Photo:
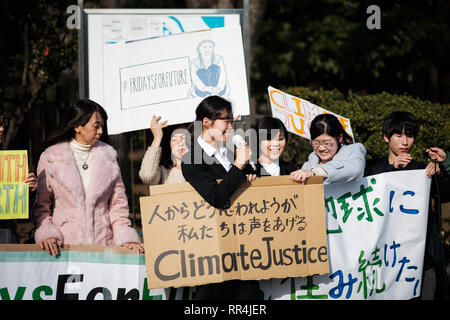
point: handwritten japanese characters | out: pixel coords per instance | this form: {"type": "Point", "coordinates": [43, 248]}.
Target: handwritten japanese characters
{"type": "Point", "coordinates": [376, 231]}
{"type": "Point", "coordinates": [267, 230]}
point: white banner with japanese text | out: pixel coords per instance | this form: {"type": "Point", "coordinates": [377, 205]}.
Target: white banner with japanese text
{"type": "Point", "coordinates": [376, 238]}
{"type": "Point", "coordinates": [376, 230]}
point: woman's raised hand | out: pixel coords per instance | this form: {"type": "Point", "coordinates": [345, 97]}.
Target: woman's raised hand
{"type": "Point", "coordinates": [156, 128]}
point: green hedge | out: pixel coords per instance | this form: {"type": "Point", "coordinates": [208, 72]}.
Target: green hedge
{"type": "Point", "coordinates": [366, 114]}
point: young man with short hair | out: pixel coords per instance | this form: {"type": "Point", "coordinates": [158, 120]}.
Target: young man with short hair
{"type": "Point", "coordinates": [400, 130]}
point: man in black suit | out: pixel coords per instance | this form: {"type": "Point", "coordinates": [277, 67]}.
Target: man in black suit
{"type": "Point", "coordinates": [207, 161]}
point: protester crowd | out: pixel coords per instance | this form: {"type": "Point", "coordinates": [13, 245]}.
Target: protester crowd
{"type": "Point", "coordinates": [80, 196]}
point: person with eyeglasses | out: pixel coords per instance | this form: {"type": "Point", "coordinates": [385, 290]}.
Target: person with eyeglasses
{"type": "Point", "coordinates": [8, 234]}
{"type": "Point", "coordinates": [209, 160]}
{"type": "Point", "coordinates": [335, 156]}
{"type": "Point", "coordinates": [162, 160]}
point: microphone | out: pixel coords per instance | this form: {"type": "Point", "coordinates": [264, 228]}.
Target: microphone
{"type": "Point", "coordinates": [237, 141]}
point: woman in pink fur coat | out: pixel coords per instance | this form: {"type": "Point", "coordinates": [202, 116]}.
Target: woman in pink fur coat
{"type": "Point", "coordinates": [80, 196]}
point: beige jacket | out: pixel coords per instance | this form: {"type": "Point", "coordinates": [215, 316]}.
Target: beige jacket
{"type": "Point", "coordinates": [152, 173]}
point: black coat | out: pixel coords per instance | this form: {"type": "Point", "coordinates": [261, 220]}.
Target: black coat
{"type": "Point", "coordinates": [439, 189]}
{"type": "Point", "coordinates": [203, 176]}
{"type": "Point", "coordinates": [202, 173]}
{"type": "Point", "coordinates": [285, 169]}
{"type": "Point", "coordinates": [384, 166]}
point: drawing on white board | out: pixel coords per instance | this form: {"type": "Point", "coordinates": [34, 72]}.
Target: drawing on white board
{"type": "Point", "coordinates": [208, 72]}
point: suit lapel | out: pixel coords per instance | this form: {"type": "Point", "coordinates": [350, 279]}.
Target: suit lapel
{"type": "Point", "coordinates": [260, 171]}
{"type": "Point", "coordinates": [216, 166]}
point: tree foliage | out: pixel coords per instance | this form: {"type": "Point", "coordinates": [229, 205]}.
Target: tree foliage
{"type": "Point", "coordinates": [327, 44]}
{"type": "Point", "coordinates": [37, 48]}
{"type": "Point", "coordinates": [366, 113]}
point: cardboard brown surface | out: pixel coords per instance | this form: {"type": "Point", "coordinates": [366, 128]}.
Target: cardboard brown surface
{"type": "Point", "coordinates": [273, 229]}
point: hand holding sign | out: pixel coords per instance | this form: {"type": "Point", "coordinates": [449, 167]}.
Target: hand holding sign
{"type": "Point", "coordinates": [270, 230]}
{"type": "Point", "coordinates": [300, 176]}
{"type": "Point", "coordinates": [32, 181]}
{"type": "Point", "coordinates": [52, 246]}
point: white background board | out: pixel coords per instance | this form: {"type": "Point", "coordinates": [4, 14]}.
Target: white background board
{"type": "Point", "coordinates": [107, 27]}
{"type": "Point", "coordinates": [168, 76]}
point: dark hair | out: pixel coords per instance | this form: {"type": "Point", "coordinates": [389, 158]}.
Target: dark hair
{"type": "Point", "coordinates": [269, 124]}
{"type": "Point", "coordinates": [329, 124]}
{"type": "Point", "coordinates": [77, 115]}
{"type": "Point", "coordinates": [166, 152]}
{"type": "Point", "coordinates": [213, 108]}
{"type": "Point", "coordinates": [400, 121]}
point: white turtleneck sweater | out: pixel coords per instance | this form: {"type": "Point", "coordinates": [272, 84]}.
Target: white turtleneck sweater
{"type": "Point", "coordinates": [82, 154]}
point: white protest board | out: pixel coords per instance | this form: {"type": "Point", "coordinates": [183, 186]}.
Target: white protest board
{"type": "Point", "coordinates": [170, 76]}
{"type": "Point", "coordinates": [111, 26]}
{"type": "Point", "coordinates": [297, 113]}
{"type": "Point", "coordinates": [376, 236]}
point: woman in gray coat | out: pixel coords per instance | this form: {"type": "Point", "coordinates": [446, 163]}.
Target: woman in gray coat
{"type": "Point", "coordinates": [335, 156]}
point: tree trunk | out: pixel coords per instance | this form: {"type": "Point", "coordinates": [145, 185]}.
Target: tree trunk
{"type": "Point", "coordinates": [30, 89]}
{"type": "Point", "coordinates": [434, 83]}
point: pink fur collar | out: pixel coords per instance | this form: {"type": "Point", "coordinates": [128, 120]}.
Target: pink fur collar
{"type": "Point", "coordinates": [103, 173]}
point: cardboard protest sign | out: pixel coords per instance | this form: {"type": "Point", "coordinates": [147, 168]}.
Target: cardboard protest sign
{"type": "Point", "coordinates": [169, 76]}
{"type": "Point", "coordinates": [274, 228]}
{"type": "Point", "coordinates": [13, 192]}
{"type": "Point", "coordinates": [297, 113]}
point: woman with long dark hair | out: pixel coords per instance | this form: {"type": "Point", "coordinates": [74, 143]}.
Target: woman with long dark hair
{"type": "Point", "coordinates": [335, 156]}
{"type": "Point", "coordinates": [80, 195]}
